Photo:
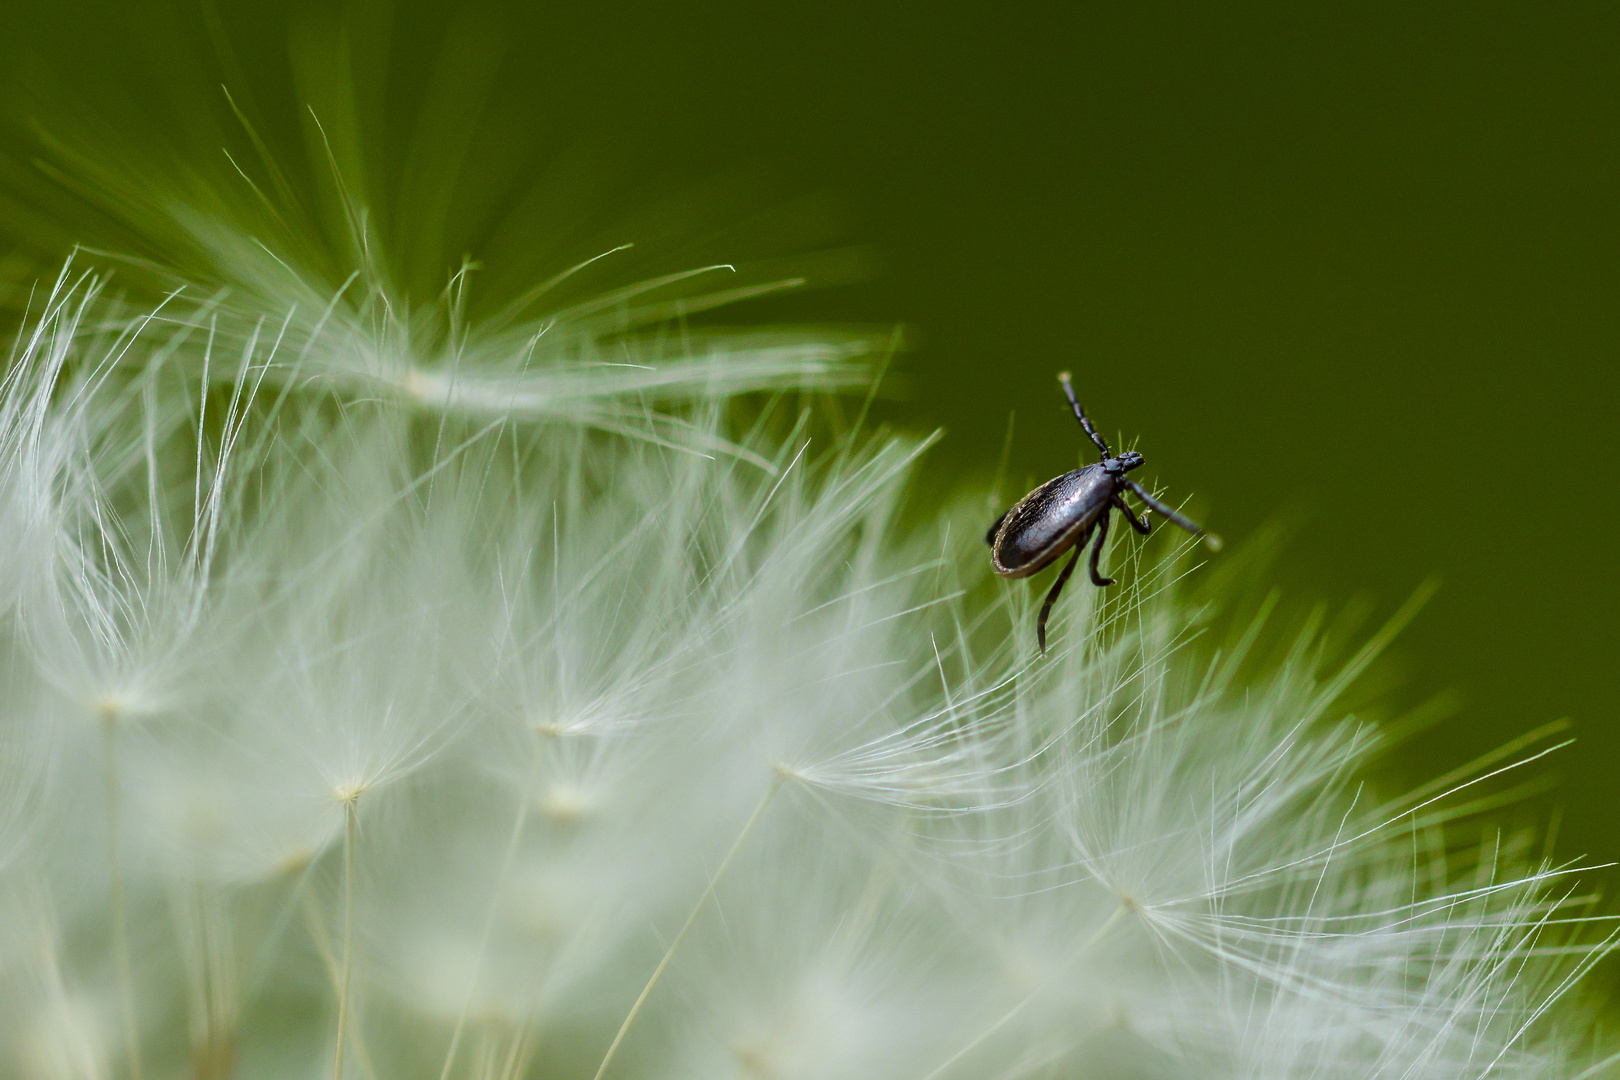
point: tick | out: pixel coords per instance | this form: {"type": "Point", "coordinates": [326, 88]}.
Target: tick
{"type": "Point", "coordinates": [1067, 511]}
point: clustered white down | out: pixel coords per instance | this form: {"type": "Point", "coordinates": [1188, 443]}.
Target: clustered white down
{"type": "Point", "coordinates": [402, 716]}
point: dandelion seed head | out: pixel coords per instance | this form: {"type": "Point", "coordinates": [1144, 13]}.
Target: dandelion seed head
{"type": "Point", "coordinates": [513, 685]}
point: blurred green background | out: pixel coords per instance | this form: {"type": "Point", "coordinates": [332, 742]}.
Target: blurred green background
{"type": "Point", "coordinates": [1354, 267]}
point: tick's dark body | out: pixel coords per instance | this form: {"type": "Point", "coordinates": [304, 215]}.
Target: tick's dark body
{"type": "Point", "coordinates": [1056, 516]}
{"type": "Point", "coordinates": [1064, 513]}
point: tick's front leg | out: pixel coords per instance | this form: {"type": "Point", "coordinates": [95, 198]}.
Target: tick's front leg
{"type": "Point", "coordinates": [1142, 526]}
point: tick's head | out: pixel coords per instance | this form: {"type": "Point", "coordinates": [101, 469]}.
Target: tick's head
{"type": "Point", "coordinates": [1123, 463]}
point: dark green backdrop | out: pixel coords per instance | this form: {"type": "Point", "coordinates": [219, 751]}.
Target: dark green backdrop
{"type": "Point", "coordinates": [1358, 265]}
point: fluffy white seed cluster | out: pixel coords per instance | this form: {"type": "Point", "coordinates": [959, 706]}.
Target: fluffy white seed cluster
{"type": "Point", "coordinates": [557, 701]}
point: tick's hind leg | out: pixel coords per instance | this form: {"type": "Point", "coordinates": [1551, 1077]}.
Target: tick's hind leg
{"type": "Point", "coordinates": [1144, 526]}
{"type": "Point", "coordinates": [1096, 551]}
{"type": "Point", "coordinates": [990, 537]}
{"type": "Point", "coordinates": [1051, 597]}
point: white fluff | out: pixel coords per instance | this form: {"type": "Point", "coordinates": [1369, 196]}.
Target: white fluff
{"type": "Point", "coordinates": [432, 685]}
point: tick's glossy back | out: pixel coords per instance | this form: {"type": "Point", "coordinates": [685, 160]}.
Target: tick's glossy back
{"type": "Point", "coordinates": [1050, 520]}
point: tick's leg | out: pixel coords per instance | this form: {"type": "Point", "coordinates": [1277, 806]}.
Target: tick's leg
{"type": "Point", "coordinates": [1080, 415]}
{"type": "Point", "coordinates": [1212, 540]}
{"type": "Point", "coordinates": [990, 537]}
{"type": "Point", "coordinates": [1096, 551]}
{"type": "Point", "coordinates": [1051, 597]}
{"type": "Point", "coordinates": [1142, 526]}
{"type": "Point", "coordinates": [1172, 516]}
